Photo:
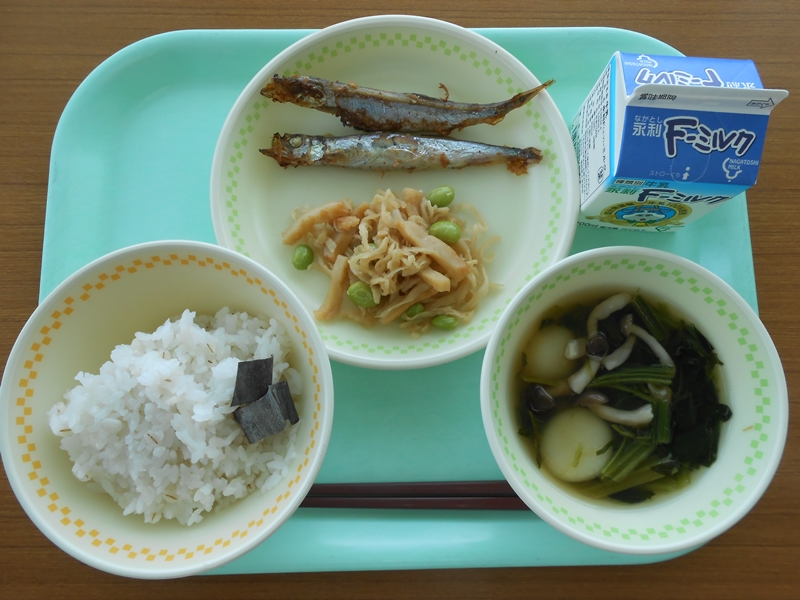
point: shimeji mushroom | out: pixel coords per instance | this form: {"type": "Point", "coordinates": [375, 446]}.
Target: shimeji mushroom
{"type": "Point", "coordinates": [583, 376]}
{"type": "Point", "coordinates": [596, 342]}
{"type": "Point", "coordinates": [597, 345]}
{"type": "Point", "coordinates": [605, 309]}
{"type": "Point", "coordinates": [538, 400]}
{"type": "Point", "coordinates": [630, 328]}
{"type": "Point", "coordinates": [639, 417]}
{"type": "Point", "coordinates": [620, 355]}
{"type": "Point", "coordinates": [596, 401]}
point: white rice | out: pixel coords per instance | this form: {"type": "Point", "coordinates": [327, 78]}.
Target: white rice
{"type": "Point", "coordinates": [153, 429]}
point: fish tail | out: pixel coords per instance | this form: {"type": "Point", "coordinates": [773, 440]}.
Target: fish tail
{"type": "Point", "coordinates": [526, 157]}
{"type": "Point", "coordinates": [523, 97]}
{"type": "Point", "coordinates": [497, 112]}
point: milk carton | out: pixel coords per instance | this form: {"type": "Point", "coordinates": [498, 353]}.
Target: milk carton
{"type": "Point", "coordinates": [663, 140]}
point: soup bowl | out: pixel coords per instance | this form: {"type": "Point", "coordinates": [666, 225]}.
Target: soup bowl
{"type": "Point", "coordinates": [750, 382]}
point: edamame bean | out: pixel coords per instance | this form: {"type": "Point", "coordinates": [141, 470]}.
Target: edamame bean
{"type": "Point", "coordinates": [414, 310]}
{"type": "Point", "coordinates": [361, 295]}
{"type": "Point", "coordinates": [441, 196]}
{"type": "Point", "coordinates": [445, 322]}
{"type": "Point", "coordinates": [447, 231]}
{"type": "Point", "coordinates": [302, 257]}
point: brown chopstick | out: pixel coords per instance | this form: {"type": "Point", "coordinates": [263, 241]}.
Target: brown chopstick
{"type": "Point", "coordinates": [414, 488]}
{"type": "Point", "coordinates": [419, 503]}
{"type": "Point", "coordinates": [451, 495]}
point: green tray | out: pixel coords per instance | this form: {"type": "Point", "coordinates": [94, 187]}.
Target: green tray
{"type": "Point", "coordinates": [131, 163]}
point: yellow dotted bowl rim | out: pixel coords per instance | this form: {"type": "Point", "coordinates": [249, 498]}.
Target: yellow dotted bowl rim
{"type": "Point", "coordinates": [22, 460]}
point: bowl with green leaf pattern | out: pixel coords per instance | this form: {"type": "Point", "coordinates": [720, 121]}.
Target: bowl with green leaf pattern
{"type": "Point", "coordinates": [530, 217]}
{"type": "Point", "coordinates": [634, 400]}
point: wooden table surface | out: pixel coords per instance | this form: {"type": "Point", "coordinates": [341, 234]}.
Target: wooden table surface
{"type": "Point", "coordinates": [47, 47]}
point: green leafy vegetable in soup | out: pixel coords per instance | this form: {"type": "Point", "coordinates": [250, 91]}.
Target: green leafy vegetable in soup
{"type": "Point", "coordinates": [617, 397]}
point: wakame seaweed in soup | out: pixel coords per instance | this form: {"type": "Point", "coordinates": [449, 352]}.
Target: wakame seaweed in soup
{"type": "Point", "coordinates": [617, 397]}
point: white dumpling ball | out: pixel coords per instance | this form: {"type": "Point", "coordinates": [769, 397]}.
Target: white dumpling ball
{"type": "Point", "coordinates": [569, 444]}
{"type": "Point", "coordinates": [545, 355]}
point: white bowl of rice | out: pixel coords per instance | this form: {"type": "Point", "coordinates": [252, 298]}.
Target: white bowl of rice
{"type": "Point", "coordinates": [120, 440]}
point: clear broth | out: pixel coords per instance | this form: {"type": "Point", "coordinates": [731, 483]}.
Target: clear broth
{"type": "Point", "coordinates": [592, 298]}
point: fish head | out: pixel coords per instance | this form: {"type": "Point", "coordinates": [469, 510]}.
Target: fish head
{"type": "Point", "coordinates": [307, 91]}
{"type": "Point", "coordinates": [292, 149]}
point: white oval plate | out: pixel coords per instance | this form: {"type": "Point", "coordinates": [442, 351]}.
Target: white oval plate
{"type": "Point", "coordinates": [535, 214]}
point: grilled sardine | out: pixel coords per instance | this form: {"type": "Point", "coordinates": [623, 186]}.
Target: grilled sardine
{"type": "Point", "coordinates": [395, 152]}
{"type": "Point", "coordinates": [369, 109]}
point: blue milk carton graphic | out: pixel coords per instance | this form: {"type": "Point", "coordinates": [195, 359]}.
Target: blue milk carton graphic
{"type": "Point", "coordinates": [663, 140]}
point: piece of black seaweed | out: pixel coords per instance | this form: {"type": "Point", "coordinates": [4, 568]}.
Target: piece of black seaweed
{"type": "Point", "coordinates": [253, 378]}
{"type": "Point", "coordinates": [267, 415]}
{"type": "Point", "coordinates": [632, 495]}
{"type": "Point", "coordinates": [260, 419]}
{"type": "Point", "coordinates": [696, 410]}
{"type": "Point", "coordinates": [280, 392]}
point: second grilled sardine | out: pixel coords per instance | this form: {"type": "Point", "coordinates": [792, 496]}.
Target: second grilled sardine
{"type": "Point", "coordinates": [369, 109]}
{"type": "Point", "coordinates": [395, 152]}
